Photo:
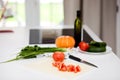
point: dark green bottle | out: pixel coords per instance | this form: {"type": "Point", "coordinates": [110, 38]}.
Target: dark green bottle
{"type": "Point", "coordinates": [77, 28]}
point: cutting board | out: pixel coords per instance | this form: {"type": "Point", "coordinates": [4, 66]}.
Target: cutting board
{"type": "Point", "coordinates": [44, 66]}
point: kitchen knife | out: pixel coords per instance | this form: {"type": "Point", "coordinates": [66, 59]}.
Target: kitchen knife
{"type": "Point", "coordinates": [82, 61]}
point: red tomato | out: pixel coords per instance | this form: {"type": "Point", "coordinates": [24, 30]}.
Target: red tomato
{"type": "Point", "coordinates": [56, 64]}
{"type": "Point", "coordinates": [63, 67]}
{"type": "Point", "coordinates": [69, 68]}
{"type": "Point", "coordinates": [78, 68]}
{"type": "Point", "coordinates": [60, 65]}
{"type": "Point", "coordinates": [83, 46]}
{"type": "Point", "coordinates": [58, 56]}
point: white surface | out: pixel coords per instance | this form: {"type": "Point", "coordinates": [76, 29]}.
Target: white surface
{"type": "Point", "coordinates": [11, 43]}
{"type": "Point", "coordinates": [44, 66]}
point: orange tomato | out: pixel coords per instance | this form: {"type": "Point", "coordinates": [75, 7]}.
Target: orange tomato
{"type": "Point", "coordinates": [65, 42]}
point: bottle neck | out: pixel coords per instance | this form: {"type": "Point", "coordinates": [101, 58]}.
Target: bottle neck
{"type": "Point", "coordinates": [78, 17]}
{"type": "Point", "coordinates": [78, 14]}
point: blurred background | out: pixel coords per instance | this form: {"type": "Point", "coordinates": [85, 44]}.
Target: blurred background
{"type": "Point", "coordinates": [102, 16]}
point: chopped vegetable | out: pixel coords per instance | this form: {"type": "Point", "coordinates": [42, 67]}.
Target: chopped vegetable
{"type": "Point", "coordinates": [58, 58]}
{"type": "Point", "coordinates": [33, 51]}
{"type": "Point", "coordinates": [66, 68]}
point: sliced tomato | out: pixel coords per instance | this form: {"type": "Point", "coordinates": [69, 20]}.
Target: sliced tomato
{"type": "Point", "coordinates": [60, 65]}
{"type": "Point", "coordinates": [73, 68]}
{"type": "Point", "coordinates": [70, 68]}
{"type": "Point", "coordinates": [78, 69]}
{"type": "Point", "coordinates": [56, 64]}
{"type": "Point", "coordinates": [63, 67]}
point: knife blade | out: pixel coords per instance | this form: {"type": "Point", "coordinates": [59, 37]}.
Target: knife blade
{"type": "Point", "coordinates": [82, 61]}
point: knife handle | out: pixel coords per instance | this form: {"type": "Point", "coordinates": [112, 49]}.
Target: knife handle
{"type": "Point", "coordinates": [74, 58]}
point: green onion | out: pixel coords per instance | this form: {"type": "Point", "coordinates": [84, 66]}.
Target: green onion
{"type": "Point", "coordinates": [33, 51]}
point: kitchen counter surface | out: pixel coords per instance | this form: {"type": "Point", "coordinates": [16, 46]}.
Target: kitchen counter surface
{"type": "Point", "coordinates": [11, 43]}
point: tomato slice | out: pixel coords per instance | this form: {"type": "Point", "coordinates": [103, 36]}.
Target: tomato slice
{"type": "Point", "coordinates": [55, 64]}
{"type": "Point", "coordinates": [60, 66]}
{"type": "Point", "coordinates": [63, 67]}
{"type": "Point", "coordinates": [78, 68]}
{"type": "Point", "coordinates": [70, 68]}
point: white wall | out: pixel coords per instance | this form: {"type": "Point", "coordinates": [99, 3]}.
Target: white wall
{"type": "Point", "coordinates": [70, 8]}
{"type": "Point", "coordinates": [109, 23]}
{"type": "Point", "coordinates": [118, 30]}
{"type": "Point", "coordinates": [100, 16]}
{"type": "Point", "coordinates": [92, 15]}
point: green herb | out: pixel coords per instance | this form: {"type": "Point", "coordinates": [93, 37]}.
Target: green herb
{"type": "Point", "coordinates": [33, 51]}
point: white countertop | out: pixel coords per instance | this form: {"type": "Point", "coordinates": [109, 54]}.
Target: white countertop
{"type": "Point", "coordinates": [10, 43]}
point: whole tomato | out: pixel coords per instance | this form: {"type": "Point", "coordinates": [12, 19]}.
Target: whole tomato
{"type": "Point", "coordinates": [83, 46]}
{"type": "Point", "coordinates": [58, 56]}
